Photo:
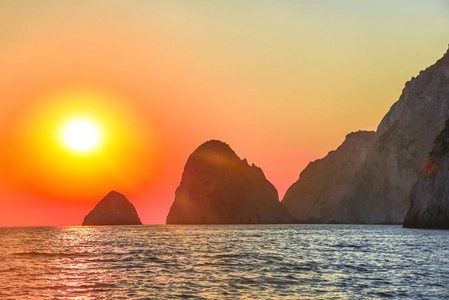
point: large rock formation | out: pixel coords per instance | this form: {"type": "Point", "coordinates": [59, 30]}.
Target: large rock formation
{"type": "Point", "coordinates": [429, 198]}
{"type": "Point", "coordinates": [219, 188]}
{"type": "Point", "coordinates": [322, 184]}
{"type": "Point", "coordinates": [381, 189]}
{"type": "Point", "coordinates": [114, 209]}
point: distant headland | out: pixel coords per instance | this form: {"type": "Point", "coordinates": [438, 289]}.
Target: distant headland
{"type": "Point", "coordinates": [370, 181]}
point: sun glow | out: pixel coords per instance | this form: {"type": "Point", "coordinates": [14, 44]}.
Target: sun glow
{"type": "Point", "coordinates": [81, 135]}
{"type": "Point", "coordinates": [74, 144]}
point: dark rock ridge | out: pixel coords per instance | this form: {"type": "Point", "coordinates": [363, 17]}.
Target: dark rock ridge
{"type": "Point", "coordinates": [114, 209]}
{"type": "Point", "coordinates": [429, 198]}
{"type": "Point", "coordinates": [322, 184]}
{"type": "Point", "coordinates": [381, 188]}
{"type": "Point", "coordinates": [217, 187]}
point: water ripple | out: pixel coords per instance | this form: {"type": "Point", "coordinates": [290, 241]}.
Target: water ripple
{"type": "Point", "coordinates": [225, 262]}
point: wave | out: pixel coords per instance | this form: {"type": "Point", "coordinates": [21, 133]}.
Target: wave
{"type": "Point", "coordinates": [51, 254]}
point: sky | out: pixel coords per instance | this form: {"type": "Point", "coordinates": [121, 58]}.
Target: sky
{"type": "Point", "coordinates": [282, 82]}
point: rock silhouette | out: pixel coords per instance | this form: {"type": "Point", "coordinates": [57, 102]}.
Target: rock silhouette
{"type": "Point", "coordinates": [381, 188]}
{"type": "Point", "coordinates": [429, 198]}
{"type": "Point", "coordinates": [114, 209]}
{"type": "Point", "coordinates": [217, 187]}
{"type": "Point", "coordinates": [323, 183]}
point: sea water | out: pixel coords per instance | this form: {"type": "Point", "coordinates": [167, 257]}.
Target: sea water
{"type": "Point", "coordinates": [224, 262]}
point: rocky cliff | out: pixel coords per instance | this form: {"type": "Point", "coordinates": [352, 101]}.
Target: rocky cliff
{"type": "Point", "coordinates": [114, 209]}
{"type": "Point", "coordinates": [429, 198]}
{"type": "Point", "coordinates": [217, 187]}
{"type": "Point", "coordinates": [381, 188]}
{"type": "Point", "coordinates": [322, 184]}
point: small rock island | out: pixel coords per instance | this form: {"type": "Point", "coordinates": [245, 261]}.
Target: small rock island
{"type": "Point", "coordinates": [217, 187]}
{"type": "Point", "coordinates": [429, 198]}
{"type": "Point", "coordinates": [114, 209]}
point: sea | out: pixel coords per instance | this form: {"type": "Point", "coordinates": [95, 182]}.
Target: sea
{"type": "Point", "coordinates": [224, 262]}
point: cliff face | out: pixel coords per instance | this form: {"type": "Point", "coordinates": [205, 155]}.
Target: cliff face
{"type": "Point", "coordinates": [114, 209]}
{"type": "Point", "coordinates": [429, 198]}
{"type": "Point", "coordinates": [219, 188]}
{"type": "Point", "coordinates": [323, 183]}
{"type": "Point", "coordinates": [381, 188]}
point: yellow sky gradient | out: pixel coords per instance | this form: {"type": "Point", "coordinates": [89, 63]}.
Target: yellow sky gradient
{"type": "Point", "coordinates": [282, 82]}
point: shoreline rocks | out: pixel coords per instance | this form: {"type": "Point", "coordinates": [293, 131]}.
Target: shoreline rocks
{"type": "Point", "coordinates": [429, 198]}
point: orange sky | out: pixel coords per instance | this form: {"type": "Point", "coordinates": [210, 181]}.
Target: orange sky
{"type": "Point", "coordinates": [282, 82]}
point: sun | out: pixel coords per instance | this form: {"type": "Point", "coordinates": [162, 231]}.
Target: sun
{"type": "Point", "coordinates": [81, 135]}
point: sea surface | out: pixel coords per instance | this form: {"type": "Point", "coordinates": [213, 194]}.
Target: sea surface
{"type": "Point", "coordinates": [224, 262]}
